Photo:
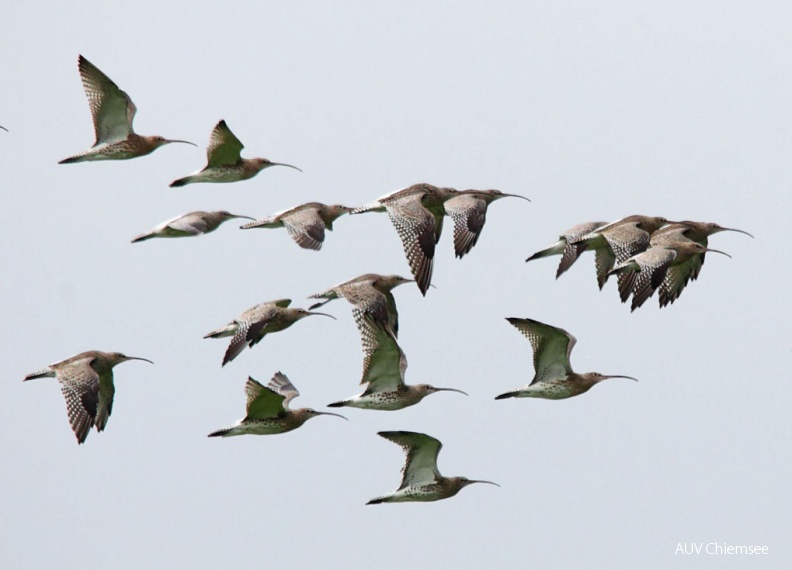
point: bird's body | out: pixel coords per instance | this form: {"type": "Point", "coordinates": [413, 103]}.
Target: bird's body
{"type": "Point", "coordinates": [251, 326]}
{"type": "Point", "coordinates": [417, 214]}
{"type": "Point", "coordinates": [565, 245]}
{"type": "Point", "coordinates": [86, 381]}
{"type": "Point", "coordinates": [554, 378]}
{"type": "Point", "coordinates": [468, 209]}
{"type": "Point", "coordinates": [384, 364]}
{"type": "Point", "coordinates": [649, 269]}
{"type": "Point", "coordinates": [305, 224]}
{"type": "Point", "coordinates": [421, 480]}
{"type": "Point", "coordinates": [113, 112]}
{"type": "Point", "coordinates": [268, 410]}
{"type": "Point", "coordinates": [186, 225]}
{"type": "Point", "coordinates": [224, 162]}
{"type": "Point", "coordinates": [370, 294]}
{"type": "Point", "coordinates": [615, 242]}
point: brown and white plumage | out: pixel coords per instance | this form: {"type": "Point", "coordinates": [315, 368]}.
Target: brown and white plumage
{"type": "Point", "coordinates": [565, 246]}
{"type": "Point", "coordinates": [256, 322]}
{"type": "Point", "coordinates": [305, 223]}
{"type": "Point", "coordinates": [113, 112]}
{"type": "Point", "coordinates": [191, 224]}
{"type": "Point", "coordinates": [86, 381]}
{"type": "Point", "coordinates": [417, 214]}
{"type": "Point", "coordinates": [369, 293]}
{"type": "Point", "coordinates": [267, 409]}
{"type": "Point", "coordinates": [553, 378]}
{"type": "Point", "coordinates": [468, 209]}
{"type": "Point", "coordinates": [384, 365]}
{"type": "Point", "coordinates": [224, 162]}
{"type": "Point", "coordinates": [421, 479]}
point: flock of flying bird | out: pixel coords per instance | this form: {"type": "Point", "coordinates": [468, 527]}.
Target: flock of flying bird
{"type": "Point", "coordinates": [645, 253]}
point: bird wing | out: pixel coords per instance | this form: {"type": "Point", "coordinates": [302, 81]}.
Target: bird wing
{"type": "Point", "coordinates": [469, 214]}
{"type": "Point", "coordinates": [551, 345]}
{"type": "Point", "coordinates": [262, 402]}
{"type": "Point", "coordinates": [80, 386]}
{"type": "Point", "coordinates": [306, 228]}
{"type": "Point", "coordinates": [191, 224]}
{"type": "Point", "coordinates": [283, 386]}
{"type": "Point", "coordinates": [420, 466]}
{"type": "Point", "coordinates": [416, 228]}
{"type": "Point", "coordinates": [654, 263]}
{"type": "Point", "coordinates": [224, 148]}
{"type": "Point", "coordinates": [250, 326]}
{"type": "Point", "coordinates": [572, 249]}
{"type": "Point", "coordinates": [604, 260]}
{"type": "Point", "coordinates": [384, 362]}
{"type": "Point", "coordinates": [677, 278]}
{"type": "Point", "coordinates": [365, 297]}
{"type": "Point", "coordinates": [111, 108]}
{"type": "Point", "coordinates": [105, 406]}
{"type": "Point", "coordinates": [626, 240]}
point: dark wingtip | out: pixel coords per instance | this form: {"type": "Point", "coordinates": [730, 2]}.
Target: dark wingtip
{"type": "Point", "coordinates": [336, 405]}
{"type": "Point", "coordinates": [375, 502]}
{"type": "Point", "coordinates": [177, 183]}
{"type": "Point", "coordinates": [70, 160]}
{"type": "Point", "coordinates": [504, 396]}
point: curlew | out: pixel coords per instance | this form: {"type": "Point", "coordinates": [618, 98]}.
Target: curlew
{"type": "Point", "coordinates": [306, 223]}
{"type": "Point", "coordinates": [678, 276]}
{"type": "Point", "coordinates": [384, 365]}
{"type": "Point", "coordinates": [113, 112]}
{"type": "Point", "coordinates": [186, 225]}
{"type": "Point", "coordinates": [565, 245]}
{"type": "Point", "coordinates": [369, 294]}
{"type": "Point", "coordinates": [468, 209]}
{"type": "Point", "coordinates": [267, 409]}
{"type": "Point", "coordinates": [421, 480]}
{"type": "Point", "coordinates": [417, 214]}
{"type": "Point", "coordinates": [647, 271]}
{"type": "Point", "coordinates": [86, 381]}
{"type": "Point", "coordinates": [224, 162]}
{"type": "Point", "coordinates": [553, 378]}
{"type": "Point", "coordinates": [251, 326]}
{"type": "Point", "coordinates": [617, 241]}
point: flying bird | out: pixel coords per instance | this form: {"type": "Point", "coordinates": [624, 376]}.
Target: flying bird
{"type": "Point", "coordinates": [384, 364]}
{"type": "Point", "coordinates": [186, 225]}
{"type": "Point", "coordinates": [224, 162]}
{"type": "Point", "coordinates": [306, 223]}
{"type": "Point", "coordinates": [565, 246]}
{"type": "Point", "coordinates": [251, 326]}
{"type": "Point", "coordinates": [369, 294]}
{"type": "Point", "coordinates": [468, 209]}
{"type": "Point", "coordinates": [113, 112]}
{"type": "Point", "coordinates": [417, 214]}
{"type": "Point", "coordinates": [267, 409]}
{"type": "Point", "coordinates": [86, 381]}
{"type": "Point", "coordinates": [421, 480]}
{"type": "Point", "coordinates": [553, 378]}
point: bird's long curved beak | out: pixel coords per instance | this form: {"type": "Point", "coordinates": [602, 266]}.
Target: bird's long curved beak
{"type": "Point", "coordinates": [243, 217]}
{"type": "Point", "coordinates": [332, 414]}
{"type": "Point", "coordinates": [517, 196]}
{"type": "Point", "coordinates": [284, 164]}
{"type": "Point", "coordinates": [736, 230]}
{"type": "Point", "coordinates": [451, 390]}
{"type": "Point", "coordinates": [168, 141]}
{"type": "Point", "coordinates": [718, 251]}
{"type": "Point", "coordinates": [323, 314]}
{"type": "Point", "coordinates": [628, 377]}
{"type": "Point", "coordinates": [139, 358]}
{"type": "Point", "coordinates": [487, 482]}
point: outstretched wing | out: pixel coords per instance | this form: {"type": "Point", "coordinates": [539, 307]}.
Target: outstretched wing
{"type": "Point", "coordinates": [111, 108]}
{"type": "Point", "coordinates": [420, 466]}
{"type": "Point", "coordinates": [551, 345]}
{"type": "Point", "coordinates": [262, 402]}
{"type": "Point", "coordinates": [80, 386]}
{"type": "Point", "coordinates": [283, 386]}
{"type": "Point", "coordinates": [416, 228]}
{"type": "Point", "coordinates": [224, 148]}
{"type": "Point", "coordinates": [469, 214]}
{"type": "Point", "coordinates": [384, 362]}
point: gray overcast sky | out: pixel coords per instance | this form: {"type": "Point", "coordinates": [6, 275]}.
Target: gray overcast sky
{"type": "Point", "coordinates": [593, 110]}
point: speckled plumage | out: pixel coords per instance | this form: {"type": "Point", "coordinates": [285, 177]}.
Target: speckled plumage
{"type": "Point", "coordinates": [417, 214]}
{"type": "Point", "coordinates": [112, 111]}
{"type": "Point", "coordinates": [565, 245]}
{"type": "Point", "coordinates": [251, 326]}
{"type": "Point", "coordinates": [421, 480]}
{"type": "Point", "coordinates": [267, 409]}
{"type": "Point", "coordinates": [305, 223]}
{"type": "Point", "coordinates": [86, 381]}
{"type": "Point", "coordinates": [554, 378]}
{"type": "Point", "coordinates": [224, 162]}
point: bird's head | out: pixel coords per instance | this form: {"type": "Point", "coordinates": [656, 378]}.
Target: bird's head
{"type": "Point", "coordinates": [158, 141]}
{"type": "Point", "coordinates": [226, 215]}
{"type": "Point", "coordinates": [459, 483]}
{"type": "Point", "coordinates": [388, 282]}
{"type": "Point", "coordinates": [308, 413]}
{"type": "Point", "coordinates": [591, 378]}
{"type": "Point", "coordinates": [302, 313]}
{"type": "Point", "coordinates": [262, 163]}
{"type": "Point", "coordinates": [426, 389]}
{"type": "Point", "coordinates": [115, 358]}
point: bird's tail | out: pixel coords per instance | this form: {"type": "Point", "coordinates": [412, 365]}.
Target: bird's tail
{"type": "Point", "coordinates": [339, 404]}
{"type": "Point", "coordinates": [225, 432]}
{"type": "Point", "coordinates": [554, 249]}
{"type": "Point", "coordinates": [227, 330]}
{"type": "Point", "coordinates": [263, 222]}
{"type": "Point", "coordinates": [73, 159]}
{"type": "Point", "coordinates": [45, 373]}
{"type": "Point", "coordinates": [143, 237]}
{"type": "Point", "coordinates": [181, 182]}
{"type": "Point", "coordinates": [379, 500]}
{"type": "Point", "coordinates": [507, 395]}
{"type": "Point", "coordinates": [373, 207]}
